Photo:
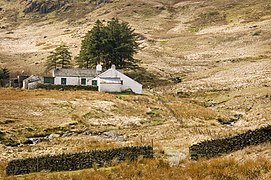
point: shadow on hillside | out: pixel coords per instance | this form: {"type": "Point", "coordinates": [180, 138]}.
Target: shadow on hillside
{"type": "Point", "coordinates": [147, 79]}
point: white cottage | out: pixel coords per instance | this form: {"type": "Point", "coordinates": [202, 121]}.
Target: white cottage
{"type": "Point", "coordinates": [109, 81]}
{"type": "Point", "coordinates": [114, 81]}
{"type": "Point", "coordinates": [74, 77]}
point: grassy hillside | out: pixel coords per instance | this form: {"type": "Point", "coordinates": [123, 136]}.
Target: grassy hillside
{"type": "Point", "coordinates": [204, 64]}
{"type": "Point", "coordinates": [181, 37]}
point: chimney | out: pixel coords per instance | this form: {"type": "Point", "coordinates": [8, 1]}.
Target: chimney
{"type": "Point", "coordinates": [113, 66]}
{"type": "Point", "coordinates": [99, 68]}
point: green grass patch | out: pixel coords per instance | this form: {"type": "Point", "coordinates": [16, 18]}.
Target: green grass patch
{"type": "Point", "coordinates": [193, 29]}
{"type": "Point", "coordinates": [95, 113]}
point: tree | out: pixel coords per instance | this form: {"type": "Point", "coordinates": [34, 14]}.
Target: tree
{"type": "Point", "coordinates": [4, 73]}
{"type": "Point", "coordinates": [92, 47]}
{"type": "Point", "coordinates": [59, 58]}
{"type": "Point", "coordinates": [114, 43]}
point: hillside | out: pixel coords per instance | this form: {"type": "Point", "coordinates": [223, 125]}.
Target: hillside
{"type": "Point", "coordinates": [204, 64]}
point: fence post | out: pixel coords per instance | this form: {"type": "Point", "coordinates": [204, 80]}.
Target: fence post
{"type": "Point", "coordinates": [37, 166]}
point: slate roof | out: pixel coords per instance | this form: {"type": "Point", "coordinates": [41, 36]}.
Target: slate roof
{"type": "Point", "coordinates": [33, 78]}
{"type": "Point", "coordinates": [75, 72]}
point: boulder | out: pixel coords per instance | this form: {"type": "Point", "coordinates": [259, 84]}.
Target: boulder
{"type": "Point", "coordinates": [44, 7]}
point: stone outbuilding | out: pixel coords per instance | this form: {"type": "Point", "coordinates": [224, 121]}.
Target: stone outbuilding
{"type": "Point", "coordinates": [31, 82]}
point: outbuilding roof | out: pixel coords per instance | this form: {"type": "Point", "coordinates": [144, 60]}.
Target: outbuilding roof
{"type": "Point", "coordinates": [110, 80]}
{"type": "Point", "coordinates": [75, 72]}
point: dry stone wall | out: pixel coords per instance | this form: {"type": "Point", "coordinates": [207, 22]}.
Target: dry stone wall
{"type": "Point", "coordinates": [67, 162]}
{"type": "Point", "coordinates": [212, 148]}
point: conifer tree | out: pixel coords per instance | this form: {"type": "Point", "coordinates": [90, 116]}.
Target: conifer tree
{"type": "Point", "coordinates": [59, 58]}
{"type": "Point", "coordinates": [92, 47]}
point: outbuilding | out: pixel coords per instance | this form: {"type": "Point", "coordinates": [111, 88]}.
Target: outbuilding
{"type": "Point", "coordinates": [114, 81]}
{"type": "Point", "coordinates": [31, 82]}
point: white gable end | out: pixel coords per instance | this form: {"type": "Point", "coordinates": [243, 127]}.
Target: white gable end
{"type": "Point", "coordinates": [127, 82]}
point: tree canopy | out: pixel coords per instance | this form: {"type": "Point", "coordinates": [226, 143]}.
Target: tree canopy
{"type": "Point", "coordinates": [113, 43]}
{"type": "Point", "coordinates": [59, 58]}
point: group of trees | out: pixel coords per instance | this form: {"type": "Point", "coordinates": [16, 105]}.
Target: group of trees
{"type": "Point", "coordinates": [108, 43]}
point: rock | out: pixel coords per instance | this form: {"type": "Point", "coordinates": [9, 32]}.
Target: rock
{"type": "Point", "coordinates": [67, 30]}
{"type": "Point", "coordinates": [112, 135]}
{"type": "Point", "coordinates": [160, 7]}
{"type": "Point", "coordinates": [182, 94]}
{"type": "Point", "coordinates": [12, 143]}
{"type": "Point", "coordinates": [256, 33]}
{"type": "Point", "coordinates": [175, 157]}
{"type": "Point", "coordinates": [176, 79]}
{"type": "Point", "coordinates": [98, 2]}
{"type": "Point", "coordinates": [35, 140]}
{"type": "Point", "coordinates": [52, 136]}
{"type": "Point", "coordinates": [44, 7]}
{"type": "Point", "coordinates": [231, 120]}
{"type": "Point", "coordinates": [8, 121]}
{"type": "Point", "coordinates": [28, 141]}
{"type": "Point", "coordinates": [254, 26]}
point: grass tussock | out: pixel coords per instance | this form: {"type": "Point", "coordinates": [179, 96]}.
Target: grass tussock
{"type": "Point", "coordinates": [219, 168]}
{"type": "Point", "coordinates": [191, 110]}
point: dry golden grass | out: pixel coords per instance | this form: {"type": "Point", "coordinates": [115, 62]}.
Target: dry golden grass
{"type": "Point", "coordinates": [167, 134]}
{"type": "Point", "coordinates": [18, 94]}
{"type": "Point", "coordinates": [189, 110]}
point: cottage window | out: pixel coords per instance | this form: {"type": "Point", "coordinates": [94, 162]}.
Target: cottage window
{"type": "Point", "coordinates": [83, 81]}
{"type": "Point", "coordinates": [63, 81]}
{"type": "Point", "coordinates": [94, 83]}
{"type": "Point", "coordinates": [49, 80]}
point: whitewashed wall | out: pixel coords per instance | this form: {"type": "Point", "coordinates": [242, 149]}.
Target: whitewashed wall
{"type": "Point", "coordinates": [109, 87]}
{"type": "Point", "coordinates": [73, 80]}
{"type": "Point", "coordinates": [69, 80]}
{"type": "Point", "coordinates": [128, 83]}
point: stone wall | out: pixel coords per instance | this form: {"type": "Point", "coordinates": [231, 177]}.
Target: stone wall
{"type": "Point", "coordinates": [217, 147]}
{"type": "Point", "coordinates": [82, 160]}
